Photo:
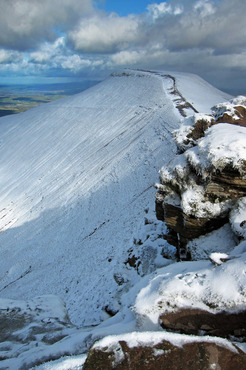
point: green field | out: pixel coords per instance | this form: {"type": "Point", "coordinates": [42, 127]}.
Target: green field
{"type": "Point", "coordinates": [11, 103]}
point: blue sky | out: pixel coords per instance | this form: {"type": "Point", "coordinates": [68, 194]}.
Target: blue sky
{"type": "Point", "coordinates": [77, 39]}
{"type": "Point", "coordinates": [125, 7]}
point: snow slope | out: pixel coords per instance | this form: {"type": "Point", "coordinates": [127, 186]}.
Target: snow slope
{"type": "Point", "coordinates": [76, 180]}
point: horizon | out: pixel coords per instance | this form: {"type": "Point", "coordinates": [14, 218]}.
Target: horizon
{"type": "Point", "coordinates": [87, 40]}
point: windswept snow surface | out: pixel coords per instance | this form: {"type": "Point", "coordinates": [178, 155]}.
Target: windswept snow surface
{"type": "Point", "coordinates": [76, 176]}
{"type": "Point", "coordinates": [203, 98]}
{"type": "Point", "coordinates": [77, 181]}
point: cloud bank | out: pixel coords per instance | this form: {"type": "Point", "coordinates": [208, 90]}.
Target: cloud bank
{"type": "Point", "coordinates": [25, 23]}
{"type": "Point", "coordinates": [201, 36]}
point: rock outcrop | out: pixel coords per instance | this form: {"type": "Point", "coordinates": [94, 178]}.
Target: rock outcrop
{"type": "Point", "coordinates": [195, 321]}
{"type": "Point", "coordinates": [194, 355]}
{"type": "Point", "coordinates": [202, 189]}
{"type": "Point", "coordinates": [202, 185]}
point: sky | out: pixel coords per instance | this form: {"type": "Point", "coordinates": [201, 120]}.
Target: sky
{"type": "Point", "coordinates": [62, 40]}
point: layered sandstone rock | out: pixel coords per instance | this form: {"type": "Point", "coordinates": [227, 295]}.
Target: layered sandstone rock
{"type": "Point", "coordinates": [195, 321]}
{"type": "Point", "coordinates": [194, 355]}
{"type": "Point", "coordinates": [201, 186]}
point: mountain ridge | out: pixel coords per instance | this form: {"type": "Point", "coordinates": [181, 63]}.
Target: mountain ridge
{"type": "Point", "coordinates": [77, 214]}
{"type": "Point", "coordinates": [54, 173]}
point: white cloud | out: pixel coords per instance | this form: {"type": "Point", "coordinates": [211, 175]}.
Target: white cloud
{"type": "Point", "coordinates": [126, 58]}
{"type": "Point", "coordinates": [200, 36]}
{"type": "Point", "coordinates": [75, 63]}
{"type": "Point", "coordinates": [48, 50]}
{"type": "Point", "coordinates": [103, 34]}
{"type": "Point", "coordinates": [202, 24]}
{"type": "Point", "coordinates": [204, 8]}
{"type": "Point", "coordinates": [8, 56]}
{"type": "Point", "coordinates": [158, 10]}
{"type": "Point", "coordinates": [23, 23]}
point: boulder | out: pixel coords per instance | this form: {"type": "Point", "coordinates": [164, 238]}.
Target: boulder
{"type": "Point", "coordinates": [165, 355]}
{"type": "Point", "coordinates": [194, 321]}
{"type": "Point", "coordinates": [238, 118]}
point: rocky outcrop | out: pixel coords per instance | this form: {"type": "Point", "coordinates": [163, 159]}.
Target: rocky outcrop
{"type": "Point", "coordinates": [200, 187]}
{"type": "Point", "coordinates": [233, 112]}
{"type": "Point", "coordinates": [189, 227]}
{"type": "Point", "coordinates": [195, 321]}
{"type": "Point", "coordinates": [165, 355]}
{"type": "Point", "coordinates": [228, 183]}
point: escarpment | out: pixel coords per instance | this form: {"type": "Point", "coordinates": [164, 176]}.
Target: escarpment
{"type": "Point", "coordinates": [202, 186]}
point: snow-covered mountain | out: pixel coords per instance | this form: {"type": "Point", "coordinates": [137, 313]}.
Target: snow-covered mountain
{"type": "Point", "coordinates": [76, 177]}
{"type": "Point", "coordinates": [77, 192]}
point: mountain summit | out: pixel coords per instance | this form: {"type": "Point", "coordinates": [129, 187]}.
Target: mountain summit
{"type": "Point", "coordinates": [77, 190]}
{"type": "Point", "coordinates": [76, 177]}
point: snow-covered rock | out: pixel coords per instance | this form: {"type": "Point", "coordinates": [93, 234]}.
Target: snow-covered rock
{"type": "Point", "coordinates": [233, 111]}
{"type": "Point", "coordinates": [199, 187]}
{"type": "Point", "coordinates": [150, 351]}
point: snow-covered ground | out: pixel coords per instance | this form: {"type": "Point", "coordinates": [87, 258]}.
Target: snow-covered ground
{"type": "Point", "coordinates": [77, 202]}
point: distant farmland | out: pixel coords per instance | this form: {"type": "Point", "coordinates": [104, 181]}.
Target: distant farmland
{"type": "Point", "coordinates": [19, 98]}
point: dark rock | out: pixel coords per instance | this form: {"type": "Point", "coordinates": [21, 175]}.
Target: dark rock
{"type": "Point", "coordinates": [228, 183]}
{"type": "Point", "coordinates": [133, 261]}
{"type": "Point", "coordinates": [189, 227]}
{"type": "Point", "coordinates": [159, 198]}
{"type": "Point", "coordinates": [110, 311]}
{"type": "Point", "coordinates": [239, 120]}
{"type": "Point", "coordinates": [200, 126]}
{"type": "Point", "coordinates": [193, 321]}
{"type": "Point", "coordinates": [191, 356]}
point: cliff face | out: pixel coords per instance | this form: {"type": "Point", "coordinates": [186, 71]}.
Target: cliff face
{"type": "Point", "coordinates": [200, 189]}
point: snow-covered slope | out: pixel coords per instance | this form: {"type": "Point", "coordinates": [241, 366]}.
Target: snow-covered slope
{"type": "Point", "coordinates": [77, 181]}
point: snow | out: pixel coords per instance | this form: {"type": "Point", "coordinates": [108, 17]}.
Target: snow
{"type": "Point", "coordinates": [229, 107]}
{"type": "Point", "coordinates": [181, 135]}
{"type": "Point", "coordinates": [150, 339]}
{"type": "Point", "coordinates": [218, 258]}
{"type": "Point", "coordinates": [194, 284]}
{"type": "Point", "coordinates": [64, 363]}
{"type": "Point", "coordinates": [202, 247]}
{"type": "Point", "coordinates": [72, 173]}
{"type": "Point", "coordinates": [49, 306]}
{"type": "Point", "coordinates": [77, 209]}
{"type": "Point", "coordinates": [206, 98]}
{"type": "Point", "coordinates": [238, 217]}
{"type": "Point", "coordinates": [223, 144]}
{"type": "Point", "coordinates": [194, 203]}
